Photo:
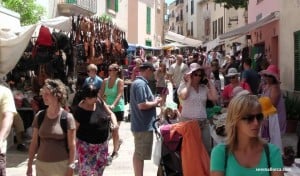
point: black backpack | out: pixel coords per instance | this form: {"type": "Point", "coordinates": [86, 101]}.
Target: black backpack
{"type": "Point", "coordinates": [63, 124]}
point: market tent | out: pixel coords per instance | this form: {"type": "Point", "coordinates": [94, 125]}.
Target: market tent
{"type": "Point", "coordinates": [210, 45]}
{"type": "Point", "coordinates": [61, 23]}
{"type": "Point", "coordinates": [173, 46]}
{"type": "Point", "coordinates": [12, 46]}
{"type": "Point", "coordinates": [173, 37]}
{"type": "Point", "coordinates": [13, 42]}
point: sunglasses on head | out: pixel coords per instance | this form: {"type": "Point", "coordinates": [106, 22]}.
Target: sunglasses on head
{"type": "Point", "coordinates": [250, 117]}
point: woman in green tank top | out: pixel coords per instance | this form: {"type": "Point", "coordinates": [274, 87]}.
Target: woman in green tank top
{"type": "Point", "coordinates": [111, 91]}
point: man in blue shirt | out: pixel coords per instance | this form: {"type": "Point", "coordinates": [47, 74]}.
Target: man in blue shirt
{"type": "Point", "coordinates": [250, 76]}
{"type": "Point", "coordinates": [143, 113]}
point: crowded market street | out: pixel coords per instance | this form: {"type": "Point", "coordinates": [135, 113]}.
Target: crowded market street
{"type": "Point", "coordinates": [17, 161]}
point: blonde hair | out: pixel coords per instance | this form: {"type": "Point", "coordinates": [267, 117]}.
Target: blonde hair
{"type": "Point", "coordinates": [239, 107]}
{"type": "Point", "coordinates": [138, 61]}
{"type": "Point", "coordinates": [92, 67]}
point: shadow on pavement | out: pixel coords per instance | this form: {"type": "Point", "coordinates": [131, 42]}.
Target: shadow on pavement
{"type": "Point", "coordinates": [15, 158]}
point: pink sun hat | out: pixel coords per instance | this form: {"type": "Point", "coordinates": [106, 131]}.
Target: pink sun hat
{"type": "Point", "coordinates": [272, 70]}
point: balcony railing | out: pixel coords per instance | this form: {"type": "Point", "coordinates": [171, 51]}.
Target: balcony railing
{"type": "Point", "coordinates": [86, 5]}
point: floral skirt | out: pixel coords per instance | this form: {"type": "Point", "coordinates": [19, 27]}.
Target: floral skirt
{"type": "Point", "coordinates": [92, 158]}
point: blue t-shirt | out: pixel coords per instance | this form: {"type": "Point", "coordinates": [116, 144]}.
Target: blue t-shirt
{"type": "Point", "coordinates": [141, 120]}
{"type": "Point", "coordinates": [217, 162]}
{"type": "Point", "coordinates": [97, 81]}
{"type": "Point", "coordinates": [253, 79]}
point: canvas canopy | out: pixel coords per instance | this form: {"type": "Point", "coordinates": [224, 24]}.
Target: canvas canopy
{"type": "Point", "coordinates": [13, 42]}
{"type": "Point", "coordinates": [173, 37]}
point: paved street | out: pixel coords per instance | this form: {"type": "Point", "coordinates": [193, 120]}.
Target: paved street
{"type": "Point", "coordinates": [17, 161]}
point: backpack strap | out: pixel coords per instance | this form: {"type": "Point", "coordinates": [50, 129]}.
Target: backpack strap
{"type": "Point", "coordinates": [64, 126]}
{"type": "Point", "coordinates": [40, 119]}
{"type": "Point", "coordinates": [267, 151]}
{"type": "Point", "coordinates": [226, 158]}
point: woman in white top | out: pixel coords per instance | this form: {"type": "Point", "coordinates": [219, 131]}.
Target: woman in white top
{"type": "Point", "coordinates": [194, 92]}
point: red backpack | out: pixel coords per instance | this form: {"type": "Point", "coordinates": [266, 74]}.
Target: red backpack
{"type": "Point", "coordinates": [44, 38]}
{"type": "Point", "coordinates": [44, 42]}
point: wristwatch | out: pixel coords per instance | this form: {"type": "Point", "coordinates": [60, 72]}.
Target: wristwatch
{"type": "Point", "coordinates": [72, 166]}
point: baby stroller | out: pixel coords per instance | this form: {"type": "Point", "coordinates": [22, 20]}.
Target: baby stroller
{"type": "Point", "coordinates": [170, 161]}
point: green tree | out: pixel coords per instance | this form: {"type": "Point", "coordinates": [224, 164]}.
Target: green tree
{"type": "Point", "coordinates": [234, 3]}
{"type": "Point", "coordinates": [29, 10]}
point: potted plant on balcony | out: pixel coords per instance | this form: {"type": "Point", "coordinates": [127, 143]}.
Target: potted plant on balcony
{"type": "Point", "coordinates": [292, 106]}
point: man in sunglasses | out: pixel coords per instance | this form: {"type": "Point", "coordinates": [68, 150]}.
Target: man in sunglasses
{"type": "Point", "coordinates": [233, 76]}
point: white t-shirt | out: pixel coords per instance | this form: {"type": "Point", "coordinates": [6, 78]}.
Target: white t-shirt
{"type": "Point", "coordinates": [194, 107]}
{"type": "Point", "coordinates": [177, 72]}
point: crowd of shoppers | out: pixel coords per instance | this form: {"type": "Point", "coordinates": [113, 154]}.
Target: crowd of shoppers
{"type": "Point", "coordinates": [198, 81]}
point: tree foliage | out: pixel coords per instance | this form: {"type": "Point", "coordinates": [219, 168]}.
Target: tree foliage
{"type": "Point", "coordinates": [234, 3]}
{"type": "Point", "coordinates": [29, 10]}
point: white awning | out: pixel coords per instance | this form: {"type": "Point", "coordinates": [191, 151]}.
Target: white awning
{"type": "Point", "coordinates": [12, 46]}
{"type": "Point", "coordinates": [62, 23]}
{"type": "Point", "coordinates": [213, 43]}
{"type": "Point", "coordinates": [251, 26]}
{"type": "Point", "coordinates": [173, 37]}
{"type": "Point", "coordinates": [173, 46]}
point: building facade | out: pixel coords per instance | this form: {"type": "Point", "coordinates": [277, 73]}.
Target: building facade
{"type": "Point", "coordinates": [289, 45]}
{"type": "Point", "coordinates": [141, 20]}
{"type": "Point", "coordinates": [265, 38]}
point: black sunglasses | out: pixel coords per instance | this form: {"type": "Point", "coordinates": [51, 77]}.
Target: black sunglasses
{"type": "Point", "coordinates": [197, 74]}
{"type": "Point", "coordinates": [250, 118]}
{"type": "Point", "coordinates": [269, 76]}
{"type": "Point", "coordinates": [232, 77]}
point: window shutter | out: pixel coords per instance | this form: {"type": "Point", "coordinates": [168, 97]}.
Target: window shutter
{"type": "Point", "coordinates": [297, 60]}
{"type": "Point", "coordinates": [107, 4]}
{"type": "Point", "coordinates": [148, 27]}
{"type": "Point", "coordinates": [116, 5]}
{"type": "Point", "coordinates": [148, 43]}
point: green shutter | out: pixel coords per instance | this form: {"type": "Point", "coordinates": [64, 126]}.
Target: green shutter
{"type": "Point", "coordinates": [148, 28]}
{"type": "Point", "coordinates": [116, 5]}
{"type": "Point", "coordinates": [148, 43]}
{"type": "Point", "coordinates": [107, 4]}
{"type": "Point", "coordinates": [297, 60]}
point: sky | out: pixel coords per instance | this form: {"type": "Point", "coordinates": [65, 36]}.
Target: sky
{"type": "Point", "coordinates": [169, 1]}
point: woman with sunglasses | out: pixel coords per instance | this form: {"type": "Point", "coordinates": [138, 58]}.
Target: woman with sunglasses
{"type": "Point", "coordinates": [244, 152]}
{"type": "Point", "coordinates": [93, 120]}
{"type": "Point", "coordinates": [227, 93]}
{"type": "Point", "coordinates": [194, 92]}
{"type": "Point", "coordinates": [112, 92]}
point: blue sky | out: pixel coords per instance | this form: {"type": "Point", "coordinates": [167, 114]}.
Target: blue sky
{"type": "Point", "coordinates": [169, 1]}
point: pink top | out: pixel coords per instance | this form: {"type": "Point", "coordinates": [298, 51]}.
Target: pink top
{"type": "Point", "coordinates": [227, 92]}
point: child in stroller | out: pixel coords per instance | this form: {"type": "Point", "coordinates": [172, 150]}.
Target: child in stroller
{"type": "Point", "coordinates": [169, 148]}
{"type": "Point", "coordinates": [169, 114]}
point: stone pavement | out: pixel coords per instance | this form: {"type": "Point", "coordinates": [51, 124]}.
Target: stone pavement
{"type": "Point", "coordinates": [17, 161]}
